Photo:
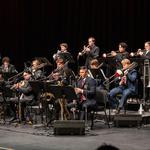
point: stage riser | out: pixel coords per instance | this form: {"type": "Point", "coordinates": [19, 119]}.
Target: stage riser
{"type": "Point", "coordinates": [127, 120]}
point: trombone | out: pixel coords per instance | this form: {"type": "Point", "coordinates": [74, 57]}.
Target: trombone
{"type": "Point", "coordinates": [119, 73]}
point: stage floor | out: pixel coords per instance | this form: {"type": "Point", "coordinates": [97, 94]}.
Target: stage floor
{"type": "Point", "coordinates": [24, 137]}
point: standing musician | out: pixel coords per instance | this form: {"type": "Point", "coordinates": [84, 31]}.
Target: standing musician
{"type": "Point", "coordinates": [63, 54]}
{"type": "Point", "coordinates": [146, 53]}
{"type": "Point", "coordinates": [86, 92]}
{"type": "Point", "coordinates": [26, 94]}
{"type": "Point", "coordinates": [92, 51]}
{"type": "Point", "coordinates": [6, 67]}
{"type": "Point", "coordinates": [127, 86]}
{"type": "Point", "coordinates": [36, 72]}
{"type": "Point", "coordinates": [119, 56]}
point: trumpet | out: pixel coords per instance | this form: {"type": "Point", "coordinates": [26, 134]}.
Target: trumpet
{"type": "Point", "coordinates": [84, 50]}
{"type": "Point", "coordinates": [111, 54]}
{"type": "Point", "coordinates": [139, 52]}
{"type": "Point", "coordinates": [120, 73]}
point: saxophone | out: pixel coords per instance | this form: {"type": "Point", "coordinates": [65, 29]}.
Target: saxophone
{"type": "Point", "coordinates": [65, 115]}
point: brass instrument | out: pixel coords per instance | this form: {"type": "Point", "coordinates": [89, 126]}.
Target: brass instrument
{"type": "Point", "coordinates": [120, 73]}
{"type": "Point", "coordinates": [48, 96]}
{"type": "Point", "coordinates": [65, 115]}
{"type": "Point", "coordinates": [83, 51]}
{"type": "Point", "coordinates": [110, 54]}
{"type": "Point", "coordinates": [19, 84]}
{"type": "Point", "coordinates": [137, 53]}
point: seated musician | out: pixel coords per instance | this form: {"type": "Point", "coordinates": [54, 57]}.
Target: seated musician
{"type": "Point", "coordinates": [127, 86]}
{"type": "Point", "coordinates": [36, 72]}
{"type": "Point", "coordinates": [86, 91]}
{"type": "Point", "coordinates": [26, 95]}
{"type": "Point", "coordinates": [99, 78]}
{"type": "Point", "coordinates": [62, 74]}
{"type": "Point", "coordinates": [6, 67]}
{"type": "Point", "coordinates": [63, 54]}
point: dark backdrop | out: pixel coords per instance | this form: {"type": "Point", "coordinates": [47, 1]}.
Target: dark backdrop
{"type": "Point", "coordinates": [31, 28]}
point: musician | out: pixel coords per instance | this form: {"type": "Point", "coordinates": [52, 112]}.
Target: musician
{"type": "Point", "coordinates": [99, 77]}
{"type": "Point", "coordinates": [63, 54]}
{"type": "Point", "coordinates": [86, 92]}
{"type": "Point", "coordinates": [62, 74]}
{"type": "Point", "coordinates": [146, 53]}
{"type": "Point", "coordinates": [97, 72]}
{"type": "Point", "coordinates": [92, 51]}
{"type": "Point", "coordinates": [6, 67]}
{"type": "Point", "coordinates": [26, 94]}
{"type": "Point", "coordinates": [36, 72]}
{"type": "Point", "coordinates": [127, 86]}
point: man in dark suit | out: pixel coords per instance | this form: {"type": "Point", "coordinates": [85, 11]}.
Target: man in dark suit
{"type": "Point", "coordinates": [26, 95]}
{"type": "Point", "coordinates": [146, 53]}
{"type": "Point", "coordinates": [127, 86]}
{"type": "Point", "coordinates": [86, 92]}
{"type": "Point", "coordinates": [64, 54]}
{"type": "Point", "coordinates": [92, 51]}
{"type": "Point", "coordinates": [36, 72]}
{"type": "Point", "coordinates": [7, 67]}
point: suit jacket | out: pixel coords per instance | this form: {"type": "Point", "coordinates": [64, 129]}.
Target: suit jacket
{"type": "Point", "coordinates": [38, 74]}
{"type": "Point", "coordinates": [26, 92]}
{"type": "Point", "coordinates": [146, 55]}
{"type": "Point", "coordinates": [119, 57]}
{"type": "Point", "coordinates": [89, 88]}
{"type": "Point", "coordinates": [132, 82]}
{"type": "Point", "coordinates": [94, 53]}
{"type": "Point", "coordinates": [11, 69]}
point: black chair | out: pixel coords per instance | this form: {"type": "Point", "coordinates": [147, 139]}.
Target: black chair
{"type": "Point", "coordinates": [101, 99]}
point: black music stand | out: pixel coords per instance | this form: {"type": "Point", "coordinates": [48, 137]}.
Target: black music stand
{"type": "Point", "coordinates": [7, 75]}
{"type": "Point", "coordinates": [97, 74]}
{"type": "Point", "coordinates": [60, 92]}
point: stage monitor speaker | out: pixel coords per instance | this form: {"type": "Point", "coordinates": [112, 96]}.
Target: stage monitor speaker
{"type": "Point", "coordinates": [69, 127]}
{"type": "Point", "coordinates": [127, 120]}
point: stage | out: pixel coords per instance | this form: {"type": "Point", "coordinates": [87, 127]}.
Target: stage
{"type": "Point", "coordinates": [23, 137]}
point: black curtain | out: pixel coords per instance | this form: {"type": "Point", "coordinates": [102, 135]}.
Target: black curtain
{"type": "Point", "coordinates": [36, 27]}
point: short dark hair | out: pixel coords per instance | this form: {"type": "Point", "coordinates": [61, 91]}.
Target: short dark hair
{"type": "Point", "coordinates": [5, 59]}
{"type": "Point", "coordinates": [123, 44]}
{"type": "Point", "coordinates": [83, 68]}
{"type": "Point", "coordinates": [93, 39]}
{"type": "Point", "coordinates": [27, 71]}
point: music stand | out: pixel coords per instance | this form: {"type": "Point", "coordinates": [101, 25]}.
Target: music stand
{"type": "Point", "coordinates": [7, 75]}
{"type": "Point", "coordinates": [97, 74]}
